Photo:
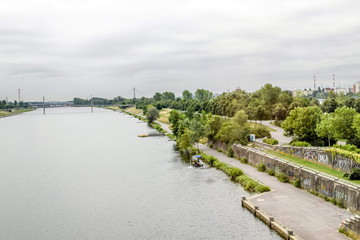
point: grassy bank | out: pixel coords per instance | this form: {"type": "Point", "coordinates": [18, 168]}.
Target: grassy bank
{"type": "Point", "coordinates": [312, 165]}
{"type": "Point", "coordinates": [14, 112]}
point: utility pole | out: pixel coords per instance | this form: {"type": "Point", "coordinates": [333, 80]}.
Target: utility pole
{"type": "Point", "coordinates": [19, 95]}
{"type": "Point", "coordinates": [314, 83]}
{"type": "Point", "coordinates": [44, 105]}
{"type": "Point", "coordinates": [91, 102]}
{"type": "Point", "coordinates": [334, 81]}
{"type": "Point", "coordinates": [134, 95]}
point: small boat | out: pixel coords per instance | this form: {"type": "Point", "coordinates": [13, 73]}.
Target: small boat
{"type": "Point", "coordinates": [196, 162]}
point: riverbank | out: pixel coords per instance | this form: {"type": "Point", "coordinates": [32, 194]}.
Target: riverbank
{"type": "Point", "coordinates": [4, 113]}
{"type": "Point", "coordinates": [249, 183]}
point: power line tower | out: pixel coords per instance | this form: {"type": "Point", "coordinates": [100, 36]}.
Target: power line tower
{"type": "Point", "coordinates": [19, 95]}
{"type": "Point", "coordinates": [314, 83]}
{"type": "Point", "coordinates": [134, 96]}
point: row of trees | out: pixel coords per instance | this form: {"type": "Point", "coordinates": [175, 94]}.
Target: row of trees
{"type": "Point", "coordinates": [310, 124]}
{"type": "Point", "coordinates": [15, 104]}
{"type": "Point", "coordinates": [189, 128]}
{"type": "Point", "coordinates": [103, 101]}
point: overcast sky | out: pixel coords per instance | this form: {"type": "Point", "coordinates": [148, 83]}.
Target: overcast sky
{"type": "Point", "coordinates": [67, 48]}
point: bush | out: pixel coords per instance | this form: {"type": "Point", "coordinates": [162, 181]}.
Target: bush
{"type": "Point", "coordinates": [261, 167]}
{"type": "Point", "coordinates": [282, 177]}
{"type": "Point", "coordinates": [297, 183]}
{"type": "Point", "coordinates": [211, 145]}
{"type": "Point", "coordinates": [300, 144]}
{"type": "Point", "coordinates": [262, 188]}
{"type": "Point", "coordinates": [230, 152]}
{"type": "Point", "coordinates": [271, 141]}
{"type": "Point", "coordinates": [244, 160]}
{"type": "Point", "coordinates": [278, 122]}
{"type": "Point", "coordinates": [355, 174]}
{"type": "Point", "coordinates": [211, 160]}
{"type": "Point", "coordinates": [235, 172]}
{"type": "Point", "coordinates": [271, 172]}
{"type": "Point", "coordinates": [260, 131]}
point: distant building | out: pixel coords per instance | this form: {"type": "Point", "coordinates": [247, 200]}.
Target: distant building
{"type": "Point", "coordinates": [328, 90]}
{"type": "Point", "coordinates": [356, 87]}
{"type": "Point", "coordinates": [301, 93]}
{"type": "Point", "coordinates": [342, 90]}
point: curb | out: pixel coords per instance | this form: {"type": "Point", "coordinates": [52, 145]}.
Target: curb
{"type": "Point", "coordinates": [269, 220]}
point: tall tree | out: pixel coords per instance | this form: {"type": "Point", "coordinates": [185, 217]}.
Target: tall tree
{"type": "Point", "coordinates": [187, 95]}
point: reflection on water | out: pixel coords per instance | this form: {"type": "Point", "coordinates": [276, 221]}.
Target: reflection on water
{"type": "Point", "coordinates": [73, 174]}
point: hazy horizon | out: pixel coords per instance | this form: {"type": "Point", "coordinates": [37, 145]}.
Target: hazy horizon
{"type": "Point", "coordinates": [66, 49]}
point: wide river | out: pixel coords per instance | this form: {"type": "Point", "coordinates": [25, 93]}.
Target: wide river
{"type": "Point", "coordinates": [72, 175]}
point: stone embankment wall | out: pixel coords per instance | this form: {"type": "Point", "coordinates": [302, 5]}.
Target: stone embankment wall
{"type": "Point", "coordinates": [352, 225]}
{"type": "Point", "coordinates": [316, 155]}
{"type": "Point", "coordinates": [323, 184]}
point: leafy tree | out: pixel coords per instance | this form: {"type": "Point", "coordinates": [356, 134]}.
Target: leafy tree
{"type": "Point", "coordinates": [213, 126]}
{"type": "Point", "coordinates": [187, 95]}
{"type": "Point", "coordinates": [231, 132]}
{"type": "Point", "coordinates": [203, 95]}
{"type": "Point", "coordinates": [356, 124]}
{"type": "Point", "coordinates": [168, 96]}
{"type": "Point", "coordinates": [175, 119]}
{"type": "Point", "coordinates": [157, 96]}
{"type": "Point", "coordinates": [279, 112]}
{"type": "Point", "coordinates": [302, 122]}
{"type": "Point", "coordinates": [326, 126]}
{"type": "Point", "coordinates": [329, 105]}
{"type": "Point", "coordinates": [240, 118]}
{"type": "Point", "coordinates": [350, 102]}
{"type": "Point", "coordinates": [185, 142]}
{"type": "Point", "coordinates": [152, 114]}
{"type": "Point", "coordinates": [343, 123]}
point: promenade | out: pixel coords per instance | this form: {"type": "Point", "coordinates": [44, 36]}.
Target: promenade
{"type": "Point", "coordinates": [308, 216]}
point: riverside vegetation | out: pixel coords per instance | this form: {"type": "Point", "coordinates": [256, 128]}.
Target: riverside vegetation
{"type": "Point", "coordinates": [184, 144]}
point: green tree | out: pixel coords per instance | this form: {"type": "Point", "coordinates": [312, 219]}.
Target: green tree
{"type": "Point", "coordinates": [356, 124]}
{"type": "Point", "coordinates": [326, 126]}
{"type": "Point", "coordinates": [213, 126]}
{"type": "Point", "coordinates": [329, 105]}
{"type": "Point", "coordinates": [184, 142]}
{"type": "Point", "coordinates": [203, 95]}
{"type": "Point", "coordinates": [343, 123]}
{"type": "Point", "coordinates": [279, 112]}
{"type": "Point", "coordinates": [301, 123]}
{"type": "Point", "coordinates": [240, 118]}
{"type": "Point", "coordinates": [187, 95]}
{"type": "Point", "coordinates": [157, 96]}
{"type": "Point", "coordinates": [152, 114]}
{"type": "Point", "coordinates": [175, 120]}
{"type": "Point", "coordinates": [168, 96]}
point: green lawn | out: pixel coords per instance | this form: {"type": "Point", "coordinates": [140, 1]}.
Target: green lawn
{"type": "Point", "coordinates": [312, 165]}
{"type": "Point", "coordinates": [16, 111]}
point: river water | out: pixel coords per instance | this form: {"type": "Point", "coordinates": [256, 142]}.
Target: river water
{"type": "Point", "coordinates": [72, 174]}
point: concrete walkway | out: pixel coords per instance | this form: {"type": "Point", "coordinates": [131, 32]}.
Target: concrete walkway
{"type": "Point", "coordinates": [308, 216]}
{"type": "Point", "coordinates": [278, 134]}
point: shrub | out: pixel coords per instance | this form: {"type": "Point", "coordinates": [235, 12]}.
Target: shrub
{"type": "Point", "coordinates": [260, 131]}
{"type": "Point", "coordinates": [262, 188]}
{"type": "Point", "coordinates": [219, 150]}
{"type": "Point", "coordinates": [355, 174]}
{"type": "Point", "coordinates": [271, 141]}
{"type": "Point", "coordinates": [211, 160]}
{"type": "Point", "coordinates": [278, 122]}
{"type": "Point", "coordinates": [300, 144]}
{"type": "Point", "coordinates": [282, 177]}
{"type": "Point", "coordinates": [271, 172]}
{"type": "Point", "coordinates": [261, 167]}
{"type": "Point", "coordinates": [297, 183]}
{"type": "Point", "coordinates": [244, 160]}
{"type": "Point", "coordinates": [235, 172]}
{"type": "Point", "coordinates": [211, 145]}
{"type": "Point", "coordinates": [230, 152]}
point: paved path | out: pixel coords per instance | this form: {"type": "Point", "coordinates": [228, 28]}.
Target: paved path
{"type": "Point", "coordinates": [310, 217]}
{"type": "Point", "coordinates": [278, 134]}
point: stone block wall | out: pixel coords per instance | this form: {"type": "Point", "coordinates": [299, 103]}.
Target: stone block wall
{"type": "Point", "coordinates": [324, 184]}
{"type": "Point", "coordinates": [314, 154]}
